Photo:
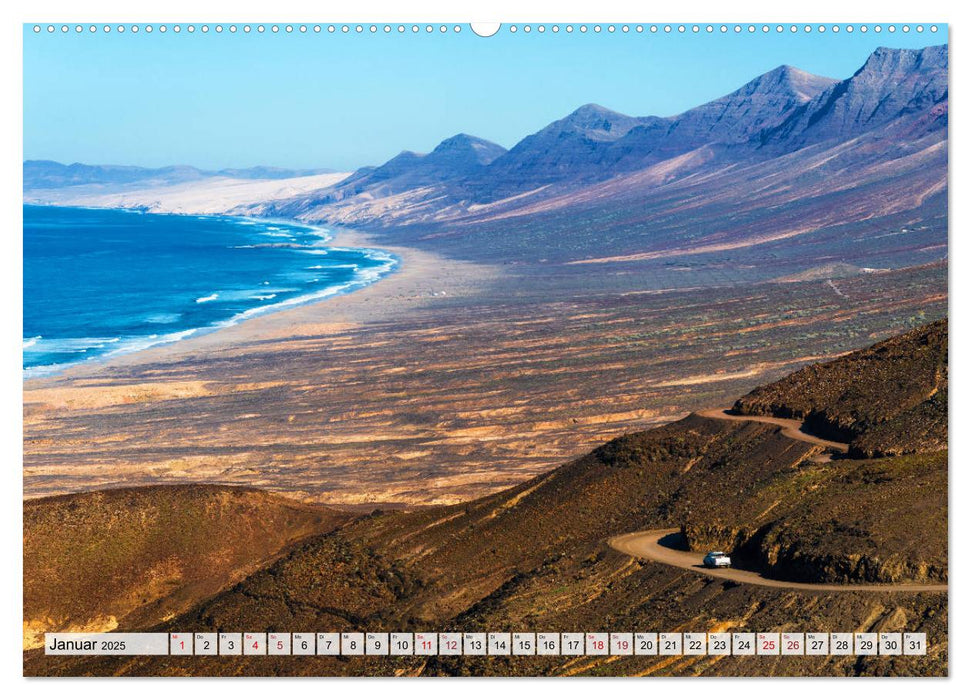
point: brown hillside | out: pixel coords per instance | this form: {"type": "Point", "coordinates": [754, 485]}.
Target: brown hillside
{"type": "Point", "coordinates": [133, 557]}
{"type": "Point", "coordinates": [887, 399]}
{"type": "Point", "coordinates": [535, 558]}
{"type": "Point", "coordinates": [882, 520]}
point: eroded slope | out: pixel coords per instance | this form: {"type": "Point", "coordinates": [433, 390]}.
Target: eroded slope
{"type": "Point", "coordinates": [887, 399]}
{"type": "Point", "coordinates": [130, 558]}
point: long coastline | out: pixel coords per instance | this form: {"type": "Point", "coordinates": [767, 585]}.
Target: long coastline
{"type": "Point", "coordinates": [136, 346]}
{"type": "Point", "coordinates": [416, 276]}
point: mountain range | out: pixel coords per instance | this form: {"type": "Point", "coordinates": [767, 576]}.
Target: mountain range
{"type": "Point", "coordinates": [851, 171]}
{"type": "Point", "coordinates": [886, 109]}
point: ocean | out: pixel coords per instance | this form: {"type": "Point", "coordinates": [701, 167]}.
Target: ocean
{"type": "Point", "coordinates": [101, 282]}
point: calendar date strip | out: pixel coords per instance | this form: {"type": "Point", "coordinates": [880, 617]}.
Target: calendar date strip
{"type": "Point", "coordinates": [486, 644]}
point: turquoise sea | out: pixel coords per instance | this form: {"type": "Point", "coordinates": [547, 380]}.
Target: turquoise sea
{"type": "Point", "coordinates": [100, 282]}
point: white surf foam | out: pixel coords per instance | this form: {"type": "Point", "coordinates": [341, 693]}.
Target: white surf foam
{"type": "Point", "coordinates": [362, 278]}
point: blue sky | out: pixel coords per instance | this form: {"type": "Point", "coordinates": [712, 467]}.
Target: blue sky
{"type": "Point", "coordinates": [342, 101]}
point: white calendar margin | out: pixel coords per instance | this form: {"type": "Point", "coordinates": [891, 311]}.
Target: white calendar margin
{"type": "Point", "coordinates": [16, 14]}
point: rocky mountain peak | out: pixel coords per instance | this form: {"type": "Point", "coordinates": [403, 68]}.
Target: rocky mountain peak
{"type": "Point", "coordinates": [892, 83]}
{"type": "Point", "coordinates": [595, 122]}
{"type": "Point", "coordinates": [467, 148]}
{"type": "Point", "coordinates": [800, 84]}
{"type": "Point", "coordinates": [886, 62]}
{"type": "Point", "coordinates": [759, 104]}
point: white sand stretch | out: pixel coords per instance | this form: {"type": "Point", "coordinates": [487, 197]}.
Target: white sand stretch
{"type": "Point", "coordinates": [215, 195]}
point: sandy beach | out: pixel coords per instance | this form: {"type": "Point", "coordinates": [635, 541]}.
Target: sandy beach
{"type": "Point", "coordinates": [418, 277]}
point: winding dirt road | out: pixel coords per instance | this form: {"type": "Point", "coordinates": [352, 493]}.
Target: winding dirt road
{"type": "Point", "coordinates": [657, 545]}
{"type": "Point", "coordinates": [791, 428]}
{"type": "Point", "coordinates": [661, 545]}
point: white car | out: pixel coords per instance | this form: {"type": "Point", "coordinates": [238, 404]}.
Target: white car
{"type": "Point", "coordinates": [715, 560]}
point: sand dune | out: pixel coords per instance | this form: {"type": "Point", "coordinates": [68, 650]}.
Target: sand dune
{"type": "Point", "coordinates": [215, 195]}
